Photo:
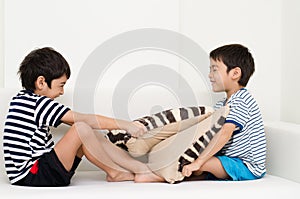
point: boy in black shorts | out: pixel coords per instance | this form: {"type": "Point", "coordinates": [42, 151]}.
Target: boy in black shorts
{"type": "Point", "coordinates": [32, 158]}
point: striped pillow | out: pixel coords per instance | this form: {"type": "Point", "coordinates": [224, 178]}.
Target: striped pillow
{"type": "Point", "coordinates": [167, 150]}
{"type": "Point", "coordinates": [168, 157]}
{"type": "Point", "coordinates": [160, 126]}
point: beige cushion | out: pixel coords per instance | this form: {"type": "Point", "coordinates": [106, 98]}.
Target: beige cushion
{"type": "Point", "coordinates": [142, 145]}
{"type": "Point", "coordinates": [164, 157]}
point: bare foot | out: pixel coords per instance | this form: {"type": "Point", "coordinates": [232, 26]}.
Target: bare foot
{"type": "Point", "coordinates": [120, 176]}
{"type": "Point", "coordinates": [148, 177]}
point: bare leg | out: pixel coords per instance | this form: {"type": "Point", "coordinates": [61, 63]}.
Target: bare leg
{"type": "Point", "coordinates": [214, 166]}
{"type": "Point", "coordinates": [114, 174]}
{"type": "Point", "coordinates": [118, 165]}
{"type": "Point", "coordinates": [120, 157]}
{"type": "Point", "coordinates": [71, 145]}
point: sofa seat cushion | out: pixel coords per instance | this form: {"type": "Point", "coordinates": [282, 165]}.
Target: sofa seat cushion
{"type": "Point", "coordinates": [92, 184]}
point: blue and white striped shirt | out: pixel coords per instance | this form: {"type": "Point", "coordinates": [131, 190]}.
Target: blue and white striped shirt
{"type": "Point", "coordinates": [26, 133]}
{"type": "Point", "coordinates": [248, 141]}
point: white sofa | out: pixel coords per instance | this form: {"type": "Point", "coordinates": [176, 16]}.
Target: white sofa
{"type": "Point", "coordinates": [282, 179]}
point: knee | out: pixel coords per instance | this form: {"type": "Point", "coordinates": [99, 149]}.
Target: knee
{"type": "Point", "coordinates": [81, 128]}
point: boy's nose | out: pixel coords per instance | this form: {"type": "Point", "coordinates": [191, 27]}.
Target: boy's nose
{"type": "Point", "coordinates": [209, 75]}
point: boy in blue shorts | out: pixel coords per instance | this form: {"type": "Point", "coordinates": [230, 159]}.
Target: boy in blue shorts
{"type": "Point", "coordinates": [32, 158]}
{"type": "Point", "coordinates": [238, 151]}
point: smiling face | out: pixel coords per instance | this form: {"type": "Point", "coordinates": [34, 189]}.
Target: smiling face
{"type": "Point", "coordinates": [221, 80]}
{"type": "Point", "coordinates": [218, 75]}
{"type": "Point", "coordinates": [57, 87]}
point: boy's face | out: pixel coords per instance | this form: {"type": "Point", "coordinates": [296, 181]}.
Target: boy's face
{"type": "Point", "coordinates": [218, 76]}
{"type": "Point", "coordinates": [57, 87]}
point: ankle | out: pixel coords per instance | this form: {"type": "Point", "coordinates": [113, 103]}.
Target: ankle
{"type": "Point", "coordinates": [120, 176]}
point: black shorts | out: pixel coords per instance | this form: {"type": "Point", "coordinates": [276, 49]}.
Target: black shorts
{"type": "Point", "coordinates": [48, 171]}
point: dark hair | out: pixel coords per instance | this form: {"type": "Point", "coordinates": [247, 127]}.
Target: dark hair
{"type": "Point", "coordinates": [42, 62]}
{"type": "Point", "coordinates": [235, 55]}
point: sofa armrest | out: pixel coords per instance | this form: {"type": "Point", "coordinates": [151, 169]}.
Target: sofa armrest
{"type": "Point", "coordinates": [283, 157]}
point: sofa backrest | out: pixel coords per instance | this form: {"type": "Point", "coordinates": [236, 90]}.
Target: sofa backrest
{"type": "Point", "coordinates": [283, 157]}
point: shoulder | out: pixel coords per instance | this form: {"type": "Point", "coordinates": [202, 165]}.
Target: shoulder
{"type": "Point", "coordinates": [243, 108]}
{"type": "Point", "coordinates": [25, 99]}
{"type": "Point", "coordinates": [47, 102]}
{"type": "Point", "coordinates": [49, 112]}
{"type": "Point", "coordinates": [242, 97]}
{"type": "Point", "coordinates": [46, 106]}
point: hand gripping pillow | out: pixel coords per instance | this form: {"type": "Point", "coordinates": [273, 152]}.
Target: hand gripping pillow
{"type": "Point", "coordinates": [168, 157]}
{"type": "Point", "coordinates": [160, 126]}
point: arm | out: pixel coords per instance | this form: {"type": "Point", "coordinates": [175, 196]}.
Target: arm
{"type": "Point", "coordinates": [216, 144]}
{"type": "Point", "coordinates": [101, 122]}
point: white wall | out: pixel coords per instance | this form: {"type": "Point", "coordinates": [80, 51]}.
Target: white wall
{"type": "Point", "coordinates": [1, 43]}
{"type": "Point", "coordinates": [76, 28]}
{"type": "Point", "coordinates": [254, 23]}
{"type": "Point", "coordinates": [290, 109]}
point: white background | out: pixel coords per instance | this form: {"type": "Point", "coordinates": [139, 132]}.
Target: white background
{"type": "Point", "coordinates": [270, 28]}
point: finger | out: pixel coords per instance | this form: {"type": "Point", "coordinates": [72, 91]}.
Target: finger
{"type": "Point", "coordinates": [183, 171]}
{"type": "Point", "coordinates": [144, 129]}
{"type": "Point", "coordinates": [138, 133]}
{"type": "Point", "coordinates": [186, 172]}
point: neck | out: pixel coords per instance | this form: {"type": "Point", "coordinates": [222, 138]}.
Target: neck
{"type": "Point", "coordinates": [230, 92]}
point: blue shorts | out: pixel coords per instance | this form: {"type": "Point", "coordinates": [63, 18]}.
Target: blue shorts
{"type": "Point", "coordinates": [236, 169]}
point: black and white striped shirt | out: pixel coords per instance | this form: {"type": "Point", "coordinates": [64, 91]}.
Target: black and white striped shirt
{"type": "Point", "coordinates": [248, 141]}
{"type": "Point", "coordinates": [26, 133]}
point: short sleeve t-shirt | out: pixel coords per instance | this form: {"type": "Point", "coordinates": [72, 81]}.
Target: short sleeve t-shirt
{"type": "Point", "coordinates": [27, 134]}
{"type": "Point", "coordinates": [248, 141]}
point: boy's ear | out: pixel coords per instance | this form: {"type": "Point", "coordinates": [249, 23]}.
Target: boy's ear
{"type": "Point", "coordinates": [236, 73]}
{"type": "Point", "coordinates": [40, 83]}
